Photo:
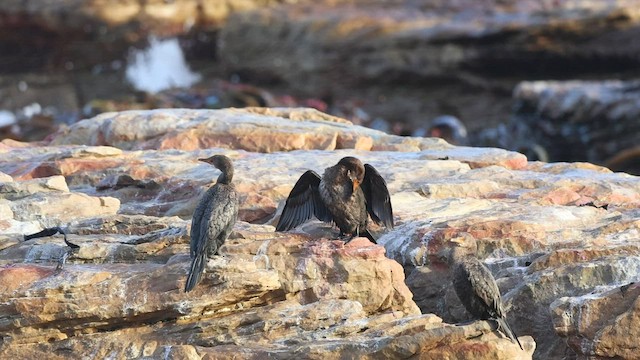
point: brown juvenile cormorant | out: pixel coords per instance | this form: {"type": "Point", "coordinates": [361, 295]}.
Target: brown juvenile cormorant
{"type": "Point", "coordinates": [346, 195]}
{"type": "Point", "coordinates": [213, 219]}
{"type": "Point", "coordinates": [475, 286]}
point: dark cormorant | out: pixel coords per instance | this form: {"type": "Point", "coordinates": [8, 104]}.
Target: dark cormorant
{"type": "Point", "coordinates": [52, 231]}
{"type": "Point", "coordinates": [213, 219]}
{"type": "Point", "coordinates": [475, 286]}
{"type": "Point", "coordinates": [346, 195]}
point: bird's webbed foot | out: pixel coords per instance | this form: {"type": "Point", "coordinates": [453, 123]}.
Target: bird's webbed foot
{"type": "Point", "coordinates": [346, 237]}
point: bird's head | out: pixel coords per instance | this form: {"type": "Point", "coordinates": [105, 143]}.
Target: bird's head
{"type": "Point", "coordinates": [354, 169]}
{"type": "Point", "coordinates": [219, 161]}
{"type": "Point", "coordinates": [461, 245]}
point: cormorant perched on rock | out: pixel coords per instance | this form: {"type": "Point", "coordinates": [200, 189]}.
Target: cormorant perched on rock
{"type": "Point", "coordinates": [213, 219]}
{"type": "Point", "coordinates": [52, 231]}
{"type": "Point", "coordinates": [475, 286]}
{"type": "Point", "coordinates": [346, 195]}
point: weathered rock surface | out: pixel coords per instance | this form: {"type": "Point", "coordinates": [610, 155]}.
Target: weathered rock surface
{"type": "Point", "coordinates": [547, 231]}
{"type": "Point", "coordinates": [602, 324]}
{"type": "Point", "coordinates": [582, 121]}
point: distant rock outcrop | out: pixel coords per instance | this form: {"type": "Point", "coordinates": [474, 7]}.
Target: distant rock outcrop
{"type": "Point", "coordinates": [411, 61]}
{"type": "Point", "coordinates": [595, 121]}
{"type": "Point", "coordinates": [124, 185]}
{"type": "Point", "coordinates": [401, 61]}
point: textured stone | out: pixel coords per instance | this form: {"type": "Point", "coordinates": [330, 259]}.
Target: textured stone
{"type": "Point", "coordinates": [547, 231]}
{"type": "Point", "coordinates": [600, 324]}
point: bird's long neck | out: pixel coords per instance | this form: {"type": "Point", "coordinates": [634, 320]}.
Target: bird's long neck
{"type": "Point", "coordinates": [458, 254]}
{"type": "Point", "coordinates": [226, 174]}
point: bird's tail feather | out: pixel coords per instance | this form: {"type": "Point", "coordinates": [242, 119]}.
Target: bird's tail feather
{"type": "Point", "coordinates": [506, 329]}
{"type": "Point", "coordinates": [369, 236]}
{"type": "Point", "coordinates": [195, 273]}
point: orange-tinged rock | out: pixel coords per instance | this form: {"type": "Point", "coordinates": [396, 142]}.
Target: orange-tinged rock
{"type": "Point", "coordinates": [14, 277]}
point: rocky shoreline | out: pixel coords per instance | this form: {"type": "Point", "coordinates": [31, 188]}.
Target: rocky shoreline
{"type": "Point", "coordinates": [560, 238]}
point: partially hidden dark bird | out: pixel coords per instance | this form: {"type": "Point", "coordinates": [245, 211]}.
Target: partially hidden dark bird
{"type": "Point", "coordinates": [213, 219]}
{"type": "Point", "coordinates": [475, 285]}
{"type": "Point", "coordinates": [73, 248]}
{"type": "Point", "coordinates": [346, 194]}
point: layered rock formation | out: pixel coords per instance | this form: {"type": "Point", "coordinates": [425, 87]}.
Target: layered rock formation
{"type": "Point", "coordinates": [270, 294]}
{"type": "Point", "coordinates": [602, 324]}
{"type": "Point", "coordinates": [125, 184]}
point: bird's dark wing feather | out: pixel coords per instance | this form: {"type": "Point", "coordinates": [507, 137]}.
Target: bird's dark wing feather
{"type": "Point", "coordinates": [377, 197]}
{"type": "Point", "coordinates": [303, 203]}
{"type": "Point", "coordinates": [197, 222]}
{"type": "Point", "coordinates": [220, 216]}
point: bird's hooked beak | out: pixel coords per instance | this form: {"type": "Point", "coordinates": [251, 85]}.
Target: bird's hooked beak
{"type": "Point", "coordinates": [354, 181]}
{"type": "Point", "coordinates": [460, 240]}
{"type": "Point", "coordinates": [209, 160]}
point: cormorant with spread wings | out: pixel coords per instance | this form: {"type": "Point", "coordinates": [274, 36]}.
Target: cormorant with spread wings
{"type": "Point", "coordinates": [346, 194]}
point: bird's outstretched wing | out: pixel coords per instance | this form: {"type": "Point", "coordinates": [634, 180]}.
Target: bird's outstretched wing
{"type": "Point", "coordinates": [377, 197]}
{"type": "Point", "coordinates": [303, 203]}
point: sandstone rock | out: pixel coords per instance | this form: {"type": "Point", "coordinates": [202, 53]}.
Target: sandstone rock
{"type": "Point", "coordinates": [547, 231]}
{"type": "Point", "coordinates": [240, 301]}
{"type": "Point", "coordinates": [4, 178]}
{"type": "Point", "coordinates": [516, 218]}
{"type": "Point", "coordinates": [15, 190]}
{"type": "Point", "coordinates": [600, 324]}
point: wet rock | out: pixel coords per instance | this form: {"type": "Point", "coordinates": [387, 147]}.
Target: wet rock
{"type": "Point", "coordinates": [74, 34]}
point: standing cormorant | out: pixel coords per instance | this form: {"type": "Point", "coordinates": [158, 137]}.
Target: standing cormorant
{"type": "Point", "coordinates": [213, 219]}
{"type": "Point", "coordinates": [475, 286]}
{"type": "Point", "coordinates": [346, 195]}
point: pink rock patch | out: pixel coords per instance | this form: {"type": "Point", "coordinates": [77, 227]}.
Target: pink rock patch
{"type": "Point", "coordinates": [14, 277]}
